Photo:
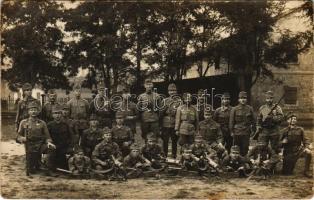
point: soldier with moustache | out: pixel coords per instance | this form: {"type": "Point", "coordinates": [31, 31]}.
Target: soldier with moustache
{"type": "Point", "coordinates": [49, 106]}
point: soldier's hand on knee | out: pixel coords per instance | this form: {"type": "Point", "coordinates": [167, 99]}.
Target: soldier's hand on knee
{"type": "Point", "coordinates": [307, 151]}
{"type": "Point", "coordinates": [51, 146]}
{"type": "Point", "coordinates": [177, 132]}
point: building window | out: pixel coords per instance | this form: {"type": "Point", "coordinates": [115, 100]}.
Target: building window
{"type": "Point", "coordinates": [291, 94]}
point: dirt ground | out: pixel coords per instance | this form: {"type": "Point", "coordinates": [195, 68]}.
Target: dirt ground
{"type": "Point", "coordinates": [15, 184]}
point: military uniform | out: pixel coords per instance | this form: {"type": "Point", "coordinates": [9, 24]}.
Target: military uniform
{"type": "Point", "coordinates": [204, 152]}
{"type": "Point", "coordinates": [103, 153]}
{"type": "Point", "coordinates": [293, 148]}
{"type": "Point", "coordinates": [264, 154]}
{"type": "Point", "coordinates": [62, 138]}
{"type": "Point", "coordinates": [186, 123]}
{"type": "Point", "coordinates": [154, 154]}
{"type": "Point", "coordinates": [79, 112]}
{"type": "Point", "coordinates": [79, 164]}
{"type": "Point", "coordinates": [73, 127]}
{"type": "Point", "coordinates": [49, 107]}
{"type": "Point", "coordinates": [122, 135]}
{"type": "Point", "coordinates": [236, 163]}
{"type": "Point", "coordinates": [168, 122]}
{"type": "Point", "coordinates": [22, 111]}
{"type": "Point", "coordinates": [90, 138]}
{"type": "Point", "coordinates": [100, 106]}
{"type": "Point", "coordinates": [212, 135]}
{"type": "Point", "coordinates": [241, 120]}
{"type": "Point", "coordinates": [148, 104]}
{"type": "Point", "coordinates": [222, 117]}
{"type": "Point", "coordinates": [269, 124]}
{"type": "Point", "coordinates": [130, 114]}
{"type": "Point", "coordinates": [37, 136]}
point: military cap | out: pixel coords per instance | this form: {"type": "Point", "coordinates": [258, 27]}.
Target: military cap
{"type": "Point", "coordinates": [185, 95]}
{"type": "Point", "coordinates": [270, 93]}
{"type": "Point", "coordinates": [242, 94]}
{"type": "Point", "coordinates": [33, 104]}
{"type": "Point", "coordinates": [226, 95]}
{"type": "Point", "coordinates": [51, 91]}
{"type": "Point", "coordinates": [208, 109]}
{"type": "Point", "coordinates": [148, 80]}
{"type": "Point", "coordinates": [172, 86]}
{"type": "Point", "coordinates": [121, 88]}
{"type": "Point", "coordinates": [235, 149]}
{"type": "Point", "coordinates": [198, 137]}
{"type": "Point", "coordinates": [65, 107]}
{"type": "Point", "coordinates": [57, 109]}
{"type": "Point", "coordinates": [27, 86]}
{"type": "Point", "coordinates": [78, 150]}
{"type": "Point", "coordinates": [119, 115]}
{"type": "Point", "coordinates": [76, 87]}
{"type": "Point", "coordinates": [100, 86]}
{"type": "Point", "coordinates": [151, 137]}
{"type": "Point", "coordinates": [134, 146]}
{"type": "Point", "coordinates": [290, 115]}
{"type": "Point", "coordinates": [106, 130]}
{"type": "Point", "coordinates": [93, 117]}
{"type": "Point", "coordinates": [261, 143]}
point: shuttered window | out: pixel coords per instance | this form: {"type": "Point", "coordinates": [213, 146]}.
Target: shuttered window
{"type": "Point", "coordinates": [291, 94]}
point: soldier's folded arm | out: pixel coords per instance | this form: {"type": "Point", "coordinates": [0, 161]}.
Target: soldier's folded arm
{"type": "Point", "coordinates": [178, 119]}
{"type": "Point", "coordinates": [21, 138]}
{"type": "Point", "coordinates": [305, 140]}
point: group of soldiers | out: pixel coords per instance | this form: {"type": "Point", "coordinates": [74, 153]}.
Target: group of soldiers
{"type": "Point", "coordinates": [99, 136]}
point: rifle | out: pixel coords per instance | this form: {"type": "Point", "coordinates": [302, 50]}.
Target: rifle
{"type": "Point", "coordinates": [26, 149]}
{"type": "Point", "coordinates": [257, 132]}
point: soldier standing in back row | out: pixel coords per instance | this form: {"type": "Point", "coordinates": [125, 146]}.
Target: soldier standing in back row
{"type": "Point", "coordinates": [295, 145]}
{"type": "Point", "coordinates": [268, 123]}
{"type": "Point", "coordinates": [222, 117]}
{"type": "Point", "coordinates": [168, 120]}
{"type": "Point", "coordinates": [127, 108]}
{"type": "Point", "coordinates": [100, 106]}
{"type": "Point", "coordinates": [22, 111]}
{"type": "Point", "coordinates": [241, 122]}
{"type": "Point", "coordinates": [186, 125]}
{"type": "Point", "coordinates": [61, 137]}
{"type": "Point", "coordinates": [211, 132]}
{"type": "Point", "coordinates": [49, 106]}
{"type": "Point", "coordinates": [148, 106]}
{"type": "Point", "coordinates": [79, 110]}
{"type": "Point", "coordinates": [122, 135]}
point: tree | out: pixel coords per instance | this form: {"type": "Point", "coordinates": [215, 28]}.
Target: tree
{"type": "Point", "coordinates": [252, 47]}
{"type": "Point", "coordinates": [101, 41]}
{"type": "Point", "coordinates": [31, 44]}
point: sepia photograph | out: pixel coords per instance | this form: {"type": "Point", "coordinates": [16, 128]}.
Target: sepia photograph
{"type": "Point", "coordinates": [178, 99]}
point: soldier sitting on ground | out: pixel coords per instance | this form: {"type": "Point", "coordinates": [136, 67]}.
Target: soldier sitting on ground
{"type": "Point", "coordinates": [79, 164]}
{"type": "Point", "coordinates": [91, 136]}
{"type": "Point", "coordinates": [211, 132]}
{"type": "Point", "coordinates": [205, 157]}
{"type": "Point", "coordinates": [263, 158]}
{"type": "Point", "coordinates": [295, 145]}
{"type": "Point", "coordinates": [153, 152]}
{"type": "Point", "coordinates": [234, 162]}
{"type": "Point", "coordinates": [187, 159]}
{"type": "Point", "coordinates": [34, 133]}
{"type": "Point", "coordinates": [122, 135]}
{"type": "Point", "coordinates": [135, 164]}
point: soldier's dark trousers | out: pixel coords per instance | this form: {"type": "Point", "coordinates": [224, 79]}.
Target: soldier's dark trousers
{"type": "Point", "coordinates": [59, 159]}
{"type": "Point", "coordinates": [33, 161]}
{"type": "Point", "coordinates": [228, 141]}
{"type": "Point", "coordinates": [270, 136]}
{"type": "Point", "coordinates": [186, 139]}
{"type": "Point", "coordinates": [289, 161]}
{"type": "Point", "coordinates": [168, 133]}
{"type": "Point", "coordinates": [148, 127]}
{"type": "Point", "coordinates": [243, 141]}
